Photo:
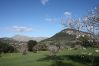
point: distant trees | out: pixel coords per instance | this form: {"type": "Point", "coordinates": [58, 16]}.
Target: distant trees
{"type": "Point", "coordinates": [31, 44]}
{"type": "Point", "coordinates": [41, 47]}
{"type": "Point", "coordinates": [6, 48]}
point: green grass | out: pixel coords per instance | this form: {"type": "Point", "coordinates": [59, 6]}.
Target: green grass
{"type": "Point", "coordinates": [63, 58]}
{"type": "Point", "coordinates": [17, 59]}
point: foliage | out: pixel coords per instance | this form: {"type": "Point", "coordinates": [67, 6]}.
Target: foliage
{"type": "Point", "coordinates": [42, 47]}
{"type": "Point", "coordinates": [6, 48]}
{"type": "Point", "coordinates": [31, 44]}
{"type": "Point", "coordinates": [61, 38]}
{"type": "Point", "coordinates": [85, 41]}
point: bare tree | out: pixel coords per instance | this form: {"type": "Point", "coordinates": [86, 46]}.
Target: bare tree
{"type": "Point", "coordinates": [24, 49]}
{"type": "Point", "coordinates": [91, 21]}
{"type": "Point", "coordinates": [89, 24]}
{"type": "Point", "coordinates": [53, 49]}
{"type": "Point", "coordinates": [72, 23]}
{"type": "Point", "coordinates": [68, 22]}
{"type": "Point", "coordinates": [78, 24]}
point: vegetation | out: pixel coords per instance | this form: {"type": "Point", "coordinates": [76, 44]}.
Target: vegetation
{"type": "Point", "coordinates": [65, 57]}
{"type": "Point", "coordinates": [62, 36]}
{"type": "Point", "coordinates": [85, 41]}
{"type": "Point", "coordinates": [79, 53]}
{"type": "Point", "coordinates": [6, 48]}
{"type": "Point", "coordinates": [31, 44]}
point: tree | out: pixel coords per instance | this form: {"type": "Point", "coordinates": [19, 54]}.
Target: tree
{"type": "Point", "coordinates": [68, 22]}
{"type": "Point", "coordinates": [31, 44]}
{"type": "Point", "coordinates": [53, 49]}
{"type": "Point", "coordinates": [72, 23]}
{"type": "Point", "coordinates": [24, 49]}
{"type": "Point", "coordinates": [78, 24]}
{"type": "Point", "coordinates": [91, 21]}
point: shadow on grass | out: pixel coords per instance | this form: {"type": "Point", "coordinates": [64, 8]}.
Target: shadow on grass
{"type": "Point", "coordinates": [72, 60]}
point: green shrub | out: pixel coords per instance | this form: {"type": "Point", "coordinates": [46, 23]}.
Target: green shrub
{"type": "Point", "coordinates": [31, 44]}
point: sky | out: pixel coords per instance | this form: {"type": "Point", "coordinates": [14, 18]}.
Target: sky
{"type": "Point", "coordinates": [39, 18]}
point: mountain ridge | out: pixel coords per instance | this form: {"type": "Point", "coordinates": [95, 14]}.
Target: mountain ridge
{"type": "Point", "coordinates": [65, 36]}
{"type": "Point", "coordinates": [22, 38]}
{"type": "Point", "coordinates": [27, 38]}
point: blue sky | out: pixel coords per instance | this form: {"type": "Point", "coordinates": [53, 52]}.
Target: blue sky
{"type": "Point", "coordinates": [39, 17]}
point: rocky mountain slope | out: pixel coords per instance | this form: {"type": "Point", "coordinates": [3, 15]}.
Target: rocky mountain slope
{"type": "Point", "coordinates": [65, 37]}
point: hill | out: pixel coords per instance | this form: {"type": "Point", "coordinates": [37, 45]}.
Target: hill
{"type": "Point", "coordinates": [66, 36]}
{"type": "Point", "coordinates": [27, 38]}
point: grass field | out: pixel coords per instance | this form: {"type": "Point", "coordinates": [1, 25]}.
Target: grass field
{"type": "Point", "coordinates": [64, 58]}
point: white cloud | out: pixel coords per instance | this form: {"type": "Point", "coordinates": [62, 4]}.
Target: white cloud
{"type": "Point", "coordinates": [21, 29]}
{"type": "Point", "coordinates": [44, 2]}
{"type": "Point", "coordinates": [67, 13]}
{"type": "Point", "coordinates": [50, 19]}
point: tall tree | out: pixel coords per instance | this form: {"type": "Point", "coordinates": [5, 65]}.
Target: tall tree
{"type": "Point", "coordinates": [91, 21]}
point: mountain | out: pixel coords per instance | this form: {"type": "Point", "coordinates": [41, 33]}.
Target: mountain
{"type": "Point", "coordinates": [65, 36]}
{"type": "Point", "coordinates": [18, 41]}
{"type": "Point", "coordinates": [7, 40]}
{"type": "Point", "coordinates": [26, 38]}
